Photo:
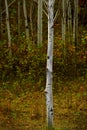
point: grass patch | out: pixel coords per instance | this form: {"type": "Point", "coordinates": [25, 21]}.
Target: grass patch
{"type": "Point", "coordinates": [23, 109]}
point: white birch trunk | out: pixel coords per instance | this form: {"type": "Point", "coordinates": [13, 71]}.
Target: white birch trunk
{"type": "Point", "coordinates": [49, 68]}
{"type": "Point", "coordinates": [39, 23]}
{"type": "Point", "coordinates": [26, 22]}
{"type": "Point", "coordinates": [8, 25]}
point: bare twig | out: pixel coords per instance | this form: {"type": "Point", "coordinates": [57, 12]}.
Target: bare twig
{"type": "Point", "coordinates": [8, 7]}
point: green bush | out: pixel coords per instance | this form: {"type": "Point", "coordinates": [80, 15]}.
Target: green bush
{"type": "Point", "coordinates": [31, 63]}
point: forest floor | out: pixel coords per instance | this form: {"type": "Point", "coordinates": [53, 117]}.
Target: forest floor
{"type": "Point", "coordinates": [26, 110]}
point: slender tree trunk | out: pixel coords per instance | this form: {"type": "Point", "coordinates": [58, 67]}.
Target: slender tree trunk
{"type": "Point", "coordinates": [18, 19]}
{"type": "Point", "coordinates": [0, 20]}
{"type": "Point", "coordinates": [49, 68]}
{"type": "Point", "coordinates": [75, 23]}
{"type": "Point", "coordinates": [64, 28]}
{"type": "Point", "coordinates": [8, 27]}
{"type": "Point", "coordinates": [69, 21]}
{"type": "Point", "coordinates": [39, 23]}
{"type": "Point", "coordinates": [26, 22]}
{"type": "Point", "coordinates": [31, 21]}
{"type": "Point", "coordinates": [75, 34]}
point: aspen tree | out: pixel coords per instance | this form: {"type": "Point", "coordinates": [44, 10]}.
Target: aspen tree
{"type": "Point", "coordinates": [0, 19]}
{"type": "Point", "coordinates": [75, 23]}
{"type": "Point", "coordinates": [8, 26]}
{"type": "Point", "coordinates": [31, 20]}
{"type": "Point", "coordinates": [19, 18]}
{"type": "Point", "coordinates": [49, 67]}
{"type": "Point", "coordinates": [64, 27]}
{"type": "Point", "coordinates": [69, 20]}
{"type": "Point", "coordinates": [39, 25]}
{"type": "Point", "coordinates": [75, 33]}
{"type": "Point", "coordinates": [26, 22]}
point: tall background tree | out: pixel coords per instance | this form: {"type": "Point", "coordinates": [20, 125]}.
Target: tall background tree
{"type": "Point", "coordinates": [75, 23]}
{"type": "Point", "coordinates": [0, 19]}
{"type": "Point", "coordinates": [39, 25]}
{"type": "Point", "coordinates": [64, 28]}
{"type": "Point", "coordinates": [8, 26]}
{"type": "Point", "coordinates": [19, 21]}
{"type": "Point", "coordinates": [26, 23]}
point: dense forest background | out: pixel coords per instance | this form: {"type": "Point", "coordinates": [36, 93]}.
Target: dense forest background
{"type": "Point", "coordinates": [25, 63]}
{"type": "Point", "coordinates": [23, 66]}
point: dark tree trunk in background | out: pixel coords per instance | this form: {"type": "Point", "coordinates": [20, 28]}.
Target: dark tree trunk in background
{"type": "Point", "coordinates": [0, 20]}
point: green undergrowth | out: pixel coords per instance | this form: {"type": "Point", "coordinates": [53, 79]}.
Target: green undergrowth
{"type": "Point", "coordinates": [31, 63]}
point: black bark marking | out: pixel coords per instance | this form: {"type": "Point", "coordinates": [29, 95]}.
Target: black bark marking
{"type": "Point", "coordinates": [48, 57]}
{"type": "Point", "coordinates": [51, 110]}
{"type": "Point", "coordinates": [26, 27]}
